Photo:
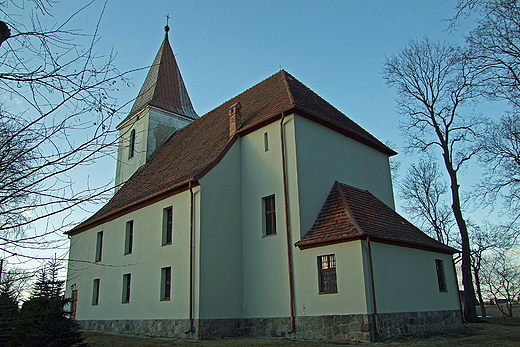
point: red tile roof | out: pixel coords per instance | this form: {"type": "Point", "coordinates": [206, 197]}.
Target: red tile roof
{"type": "Point", "coordinates": [164, 87]}
{"type": "Point", "coordinates": [350, 213]}
{"type": "Point", "coordinates": [191, 151]}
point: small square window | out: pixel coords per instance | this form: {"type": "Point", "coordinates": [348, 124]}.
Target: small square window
{"type": "Point", "coordinates": [95, 292]}
{"type": "Point", "coordinates": [327, 274]}
{"type": "Point", "coordinates": [129, 237]}
{"type": "Point", "coordinates": [166, 283]}
{"type": "Point", "coordinates": [99, 245]}
{"type": "Point", "coordinates": [441, 278]}
{"type": "Point", "coordinates": [127, 278]}
{"type": "Point", "coordinates": [269, 215]}
{"type": "Point", "coordinates": [167, 226]}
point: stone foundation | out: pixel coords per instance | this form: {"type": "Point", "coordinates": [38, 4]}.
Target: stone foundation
{"type": "Point", "coordinates": [352, 328]}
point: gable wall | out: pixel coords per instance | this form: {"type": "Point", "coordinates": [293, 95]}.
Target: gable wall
{"type": "Point", "coordinates": [144, 264]}
{"type": "Point", "coordinates": [325, 156]}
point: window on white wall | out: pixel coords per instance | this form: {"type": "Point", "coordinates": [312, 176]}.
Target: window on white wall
{"type": "Point", "coordinates": [441, 278]}
{"type": "Point", "coordinates": [166, 283]}
{"type": "Point", "coordinates": [95, 292]}
{"type": "Point", "coordinates": [269, 215]}
{"type": "Point", "coordinates": [129, 237]}
{"type": "Point", "coordinates": [99, 245]}
{"type": "Point", "coordinates": [167, 226]}
{"type": "Point", "coordinates": [327, 282]}
{"type": "Point", "coordinates": [127, 278]}
{"type": "Point", "coordinates": [266, 142]}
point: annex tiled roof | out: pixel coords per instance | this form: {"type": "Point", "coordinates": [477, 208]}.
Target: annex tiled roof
{"type": "Point", "coordinates": [191, 151]}
{"type": "Point", "coordinates": [164, 87]}
{"type": "Point", "coordinates": [352, 213]}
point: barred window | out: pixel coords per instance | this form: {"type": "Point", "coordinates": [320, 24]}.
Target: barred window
{"type": "Point", "coordinates": [167, 225]}
{"type": "Point", "coordinates": [269, 215]}
{"type": "Point", "coordinates": [327, 274]}
{"type": "Point", "coordinates": [166, 283]}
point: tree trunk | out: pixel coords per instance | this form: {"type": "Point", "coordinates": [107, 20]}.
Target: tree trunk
{"type": "Point", "coordinates": [479, 293]}
{"type": "Point", "coordinates": [470, 302]}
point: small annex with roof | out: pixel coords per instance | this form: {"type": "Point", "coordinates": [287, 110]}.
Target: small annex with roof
{"type": "Point", "coordinates": [226, 225]}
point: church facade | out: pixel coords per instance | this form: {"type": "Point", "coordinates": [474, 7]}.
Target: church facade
{"type": "Point", "coordinates": [272, 215]}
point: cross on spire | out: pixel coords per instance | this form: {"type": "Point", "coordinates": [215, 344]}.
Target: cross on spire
{"type": "Point", "coordinates": [167, 28]}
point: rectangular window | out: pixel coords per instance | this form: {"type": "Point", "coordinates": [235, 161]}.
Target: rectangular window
{"type": "Point", "coordinates": [269, 216]}
{"type": "Point", "coordinates": [266, 142]}
{"type": "Point", "coordinates": [441, 278]}
{"type": "Point", "coordinates": [127, 278]}
{"type": "Point", "coordinates": [99, 245]}
{"type": "Point", "coordinates": [167, 225]}
{"type": "Point", "coordinates": [95, 292]}
{"type": "Point", "coordinates": [166, 283]}
{"type": "Point", "coordinates": [129, 239]}
{"type": "Point", "coordinates": [327, 274]}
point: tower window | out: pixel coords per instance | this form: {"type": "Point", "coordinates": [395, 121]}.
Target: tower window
{"type": "Point", "coordinates": [131, 145]}
{"type": "Point", "coordinates": [266, 142]}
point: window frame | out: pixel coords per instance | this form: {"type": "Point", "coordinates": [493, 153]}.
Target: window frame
{"type": "Point", "coordinates": [95, 291]}
{"type": "Point", "coordinates": [127, 283]}
{"type": "Point", "coordinates": [327, 276]}
{"type": "Point", "coordinates": [441, 275]}
{"type": "Point", "coordinates": [166, 283]}
{"type": "Point", "coordinates": [129, 237]}
{"type": "Point", "coordinates": [269, 215]}
{"type": "Point", "coordinates": [99, 246]}
{"type": "Point", "coordinates": [167, 227]}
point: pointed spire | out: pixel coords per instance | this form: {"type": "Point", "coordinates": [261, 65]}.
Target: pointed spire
{"type": "Point", "coordinates": [163, 86]}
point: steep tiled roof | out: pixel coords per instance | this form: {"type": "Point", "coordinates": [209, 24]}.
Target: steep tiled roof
{"type": "Point", "coordinates": [191, 151]}
{"type": "Point", "coordinates": [352, 213]}
{"type": "Point", "coordinates": [164, 87]}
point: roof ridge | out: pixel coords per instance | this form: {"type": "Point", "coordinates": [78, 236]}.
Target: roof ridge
{"type": "Point", "coordinates": [347, 207]}
{"type": "Point", "coordinates": [286, 83]}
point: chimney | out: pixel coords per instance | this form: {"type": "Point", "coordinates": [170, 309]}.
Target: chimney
{"type": "Point", "coordinates": [234, 118]}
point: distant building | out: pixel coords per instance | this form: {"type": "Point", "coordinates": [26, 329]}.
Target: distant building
{"type": "Point", "coordinates": [271, 215]}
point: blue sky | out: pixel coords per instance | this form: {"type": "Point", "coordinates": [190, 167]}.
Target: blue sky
{"type": "Point", "coordinates": [337, 48]}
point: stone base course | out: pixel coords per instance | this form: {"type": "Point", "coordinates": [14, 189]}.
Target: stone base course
{"type": "Point", "coordinates": [351, 328]}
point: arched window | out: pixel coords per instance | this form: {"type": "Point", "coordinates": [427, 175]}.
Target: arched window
{"type": "Point", "coordinates": [131, 147]}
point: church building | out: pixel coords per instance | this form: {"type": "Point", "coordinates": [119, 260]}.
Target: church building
{"type": "Point", "coordinates": [270, 216]}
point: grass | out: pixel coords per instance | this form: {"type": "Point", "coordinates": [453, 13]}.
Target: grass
{"type": "Point", "coordinates": [498, 332]}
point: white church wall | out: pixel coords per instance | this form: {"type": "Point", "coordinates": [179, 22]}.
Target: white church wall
{"type": "Point", "coordinates": [266, 285]}
{"type": "Point", "coordinates": [351, 297]}
{"type": "Point", "coordinates": [325, 156]}
{"type": "Point", "coordinates": [144, 264]}
{"type": "Point", "coordinates": [220, 240]}
{"type": "Point", "coordinates": [406, 280]}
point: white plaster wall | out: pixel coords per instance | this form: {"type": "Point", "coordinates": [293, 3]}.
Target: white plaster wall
{"type": "Point", "coordinates": [352, 282]}
{"type": "Point", "coordinates": [220, 240]}
{"type": "Point", "coordinates": [406, 280]}
{"type": "Point", "coordinates": [325, 156]}
{"type": "Point", "coordinates": [266, 285]}
{"type": "Point", "coordinates": [161, 125]}
{"type": "Point", "coordinates": [145, 263]}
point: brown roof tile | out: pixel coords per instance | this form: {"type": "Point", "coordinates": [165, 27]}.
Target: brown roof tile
{"type": "Point", "coordinates": [352, 213]}
{"type": "Point", "coordinates": [191, 151]}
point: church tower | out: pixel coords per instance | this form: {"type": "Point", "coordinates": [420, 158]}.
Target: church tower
{"type": "Point", "coordinates": [161, 108]}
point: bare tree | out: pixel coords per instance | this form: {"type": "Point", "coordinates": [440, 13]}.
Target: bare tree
{"type": "Point", "coordinates": [502, 277]}
{"type": "Point", "coordinates": [64, 120]}
{"type": "Point", "coordinates": [485, 239]}
{"type": "Point", "coordinates": [423, 192]}
{"type": "Point", "coordinates": [434, 82]}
